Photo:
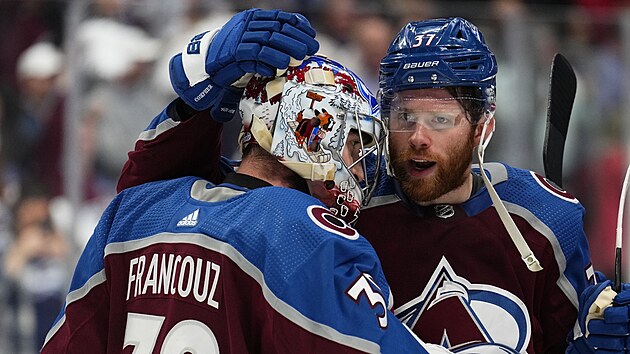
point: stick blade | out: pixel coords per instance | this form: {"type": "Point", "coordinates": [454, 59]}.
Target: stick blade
{"type": "Point", "coordinates": [562, 89]}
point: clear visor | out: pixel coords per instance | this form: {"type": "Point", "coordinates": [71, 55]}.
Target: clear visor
{"type": "Point", "coordinates": [407, 114]}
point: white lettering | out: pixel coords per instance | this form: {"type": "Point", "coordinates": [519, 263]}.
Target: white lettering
{"type": "Point", "coordinates": [421, 64]}
{"type": "Point", "coordinates": [362, 287]}
{"type": "Point", "coordinates": [184, 291]}
{"type": "Point", "coordinates": [151, 279]}
{"type": "Point", "coordinates": [217, 270]}
{"type": "Point", "coordinates": [132, 277]}
{"type": "Point", "coordinates": [141, 261]}
{"type": "Point", "coordinates": [203, 93]}
{"type": "Point", "coordinates": [171, 274]}
{"type": "Point", "coordinates": [166, 272]}
{"type": "Point", "coordinates": [201, 297]}
{"type": "Point", "coordinates": [177, 260]}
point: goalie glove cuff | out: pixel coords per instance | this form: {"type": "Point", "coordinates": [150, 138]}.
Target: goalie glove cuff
{"type": "Point", "coordinates": [199, 96]}
{"type": "Point", "coordinates": [226, 105]}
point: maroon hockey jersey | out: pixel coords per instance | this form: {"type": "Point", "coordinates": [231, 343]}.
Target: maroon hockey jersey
{"type": "Point", "coordinates": [456, 278]}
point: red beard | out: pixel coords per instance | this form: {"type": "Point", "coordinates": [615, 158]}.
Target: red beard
{"type": "Point", "coordinates": [451, 172]}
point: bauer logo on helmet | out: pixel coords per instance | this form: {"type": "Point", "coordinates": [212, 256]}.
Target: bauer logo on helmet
{"type": "Point", "coordinates": [421, 64]}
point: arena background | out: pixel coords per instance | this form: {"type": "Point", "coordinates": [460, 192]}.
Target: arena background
{"type": "Point", "coordinates": [80, 79]}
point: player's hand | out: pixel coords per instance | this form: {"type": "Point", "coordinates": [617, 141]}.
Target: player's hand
{"type": "Point", "coordinates": [604, 318]}
{"type": "Point", "coordinates": [215, 66]}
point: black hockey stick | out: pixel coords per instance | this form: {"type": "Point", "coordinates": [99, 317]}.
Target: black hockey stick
{"type": "Point", "coordinates": [562, 88]}
{"type": "Point", "coordinates": [619, 233]}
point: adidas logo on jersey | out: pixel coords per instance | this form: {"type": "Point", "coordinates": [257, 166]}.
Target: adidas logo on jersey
{"type": "Point", "coordinates": [190, 219]}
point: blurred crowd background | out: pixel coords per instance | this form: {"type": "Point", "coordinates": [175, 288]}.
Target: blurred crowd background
{"type": "Point", "coordinates": [79, 79]}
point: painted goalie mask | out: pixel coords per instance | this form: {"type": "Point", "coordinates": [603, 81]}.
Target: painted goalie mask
{"type": "Point", "coordinates": [306, 118]}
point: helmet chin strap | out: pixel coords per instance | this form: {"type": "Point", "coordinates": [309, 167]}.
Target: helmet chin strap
{"type": "Point", "coordinates": [517, 238]}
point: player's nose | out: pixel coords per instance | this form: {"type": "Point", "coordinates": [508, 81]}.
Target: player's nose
{"type": "Point", "coordinates": [421, 137]}
{"type": "Point", "coordinates": [358, 173]}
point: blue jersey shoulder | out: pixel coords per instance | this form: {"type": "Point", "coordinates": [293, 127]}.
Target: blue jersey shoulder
{"type": "Point", "coordinates": [308, 258]}
{"type": "Point", "coordinates": [531, 193]}
{"type": "Point", "coordinates": [132, 214]}
{"type": "Point", "coordinates": [551, 211]}
{"type": "Point", "coordinates": [271, 227]}
{"type": "Point", "coordinates": [534, 198]}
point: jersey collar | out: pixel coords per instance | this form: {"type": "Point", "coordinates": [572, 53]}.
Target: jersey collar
{"type": "Point", "coordinates": [245, 181]}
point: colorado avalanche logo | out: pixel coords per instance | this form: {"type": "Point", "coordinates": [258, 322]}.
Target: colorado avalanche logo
{"type": "Point", "coordinates": [325, 219]}
{"type": "Point", "coordinates": [488, 319]}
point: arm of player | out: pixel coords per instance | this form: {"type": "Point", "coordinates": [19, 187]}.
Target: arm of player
{"type": "Point", "coordinates": [209, 76]}
{"type": "Point", "coordinates": [175, 145]}
{"type": "Point", "coordinates": [342, 294]}
{"type": "Point", "coordinates": [603, 321]}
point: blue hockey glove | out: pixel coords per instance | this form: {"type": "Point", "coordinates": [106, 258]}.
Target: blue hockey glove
{"type": "Point", "coordinates": [604, 318]}
{"type": "Point", "coordinates": [215, 66]}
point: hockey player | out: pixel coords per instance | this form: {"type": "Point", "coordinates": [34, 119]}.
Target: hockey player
{"type": "Point", "coordinates": [450, 237]}
{"type": "Point", "coordinates": [437, 89]}
{"type": "Point", "coordinates": [253, 264]}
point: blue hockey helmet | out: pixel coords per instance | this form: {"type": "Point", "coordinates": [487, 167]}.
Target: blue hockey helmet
{"type": "Point", "coordinates": [449, 52]}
